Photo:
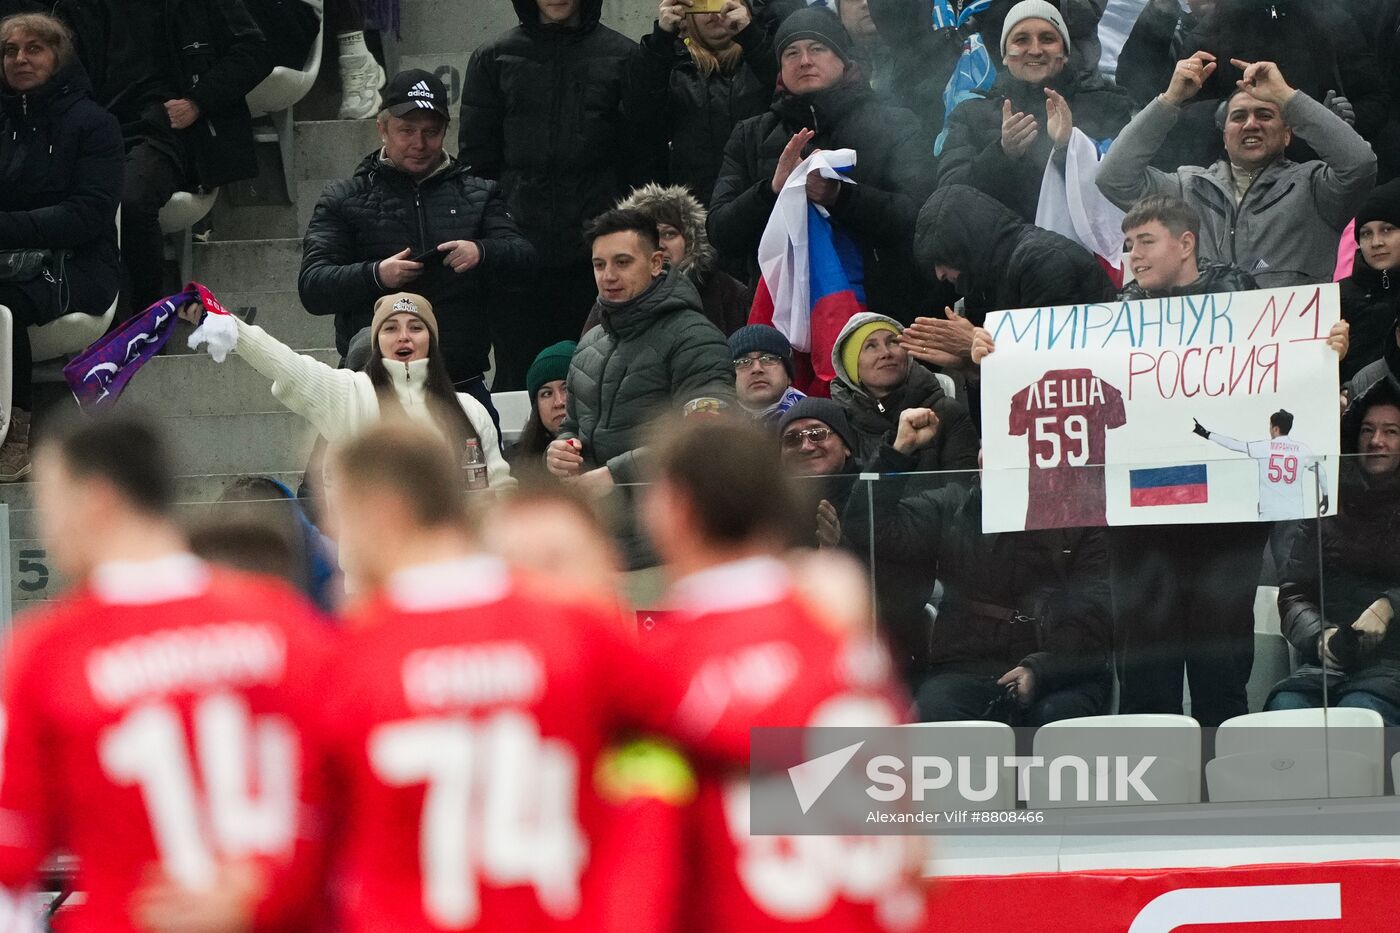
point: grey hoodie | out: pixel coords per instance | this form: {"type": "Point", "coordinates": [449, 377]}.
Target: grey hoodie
{"type": "Point", "coordinates": [1285, 230]}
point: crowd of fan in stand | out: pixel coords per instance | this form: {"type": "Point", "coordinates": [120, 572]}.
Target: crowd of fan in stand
{"type": "Point", "coordinates": [485, 740]}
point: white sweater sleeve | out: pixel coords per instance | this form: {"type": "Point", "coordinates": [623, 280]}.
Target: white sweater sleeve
{"type": "Point", "coordinates": [322, 394]}
{"type": "Point", "coordinates": [497, 470]}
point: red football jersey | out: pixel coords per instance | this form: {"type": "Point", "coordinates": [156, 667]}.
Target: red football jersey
{"type": "Point", "coordinates": [470, 718]}
{"type": "Point", "coordinates": [158, 715]}
{"type": "Point", "coordinates": [1067, 414]}
{"type": "Point", "coordinates": [754, 656]}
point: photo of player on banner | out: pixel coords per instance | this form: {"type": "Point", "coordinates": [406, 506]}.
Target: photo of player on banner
{"type": "Point", "coordinates": [1179, 410]}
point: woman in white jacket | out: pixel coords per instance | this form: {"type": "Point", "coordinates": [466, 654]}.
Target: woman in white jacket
{"type": "Point", "coordinates": [407, 373]}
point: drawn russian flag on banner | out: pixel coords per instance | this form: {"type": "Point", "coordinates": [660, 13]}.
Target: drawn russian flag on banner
{"type": "Point", "coordinates": [1175, 485]}
{"type": "Point", "coordinates": [812, 280]}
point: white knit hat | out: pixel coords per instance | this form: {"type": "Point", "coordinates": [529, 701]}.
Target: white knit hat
{"type": "Point", "coordinates": [1033, 9]}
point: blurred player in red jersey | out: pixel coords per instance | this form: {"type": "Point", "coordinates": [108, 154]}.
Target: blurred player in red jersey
{"type": "Point", "coordinates": [155, 714]}
{"type": "Point", "coordinates": [470, 712]}
{"type": "Point", "coordinates": [554, 534]}
{"type": "Point", "coordinates": [755, 655]}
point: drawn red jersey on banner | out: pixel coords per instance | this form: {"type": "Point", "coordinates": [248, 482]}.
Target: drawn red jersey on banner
{"type": "Point", "coordinates": [1065, 416]}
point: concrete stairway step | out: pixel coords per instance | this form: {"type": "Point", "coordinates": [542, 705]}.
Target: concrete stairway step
{"type": "Point", "coordinates": [262, 441]}
{"type": "Point", "coordinates": [282, 315]}
{"type": "Point", "coordinates": [253, 222]}
{"type": "Point", "coordinates": [268, 265]}
{"type": "Point", "coordinates": [428, 28]}
{"type": "Point", "coordinates": [332, 148]}
{"type": "Point", "coordinates": [193, 384]}
{"type": "Point", "coordinates": [279, 313]}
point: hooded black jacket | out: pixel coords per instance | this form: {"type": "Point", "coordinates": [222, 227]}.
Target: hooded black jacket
{"type": "Point", "coordinates": [378, 212]}
{"type": "Point", "coordinates": [894, 172]}
{"type": "Point", "coordinates": [689, 116]}
{"type": "Point", "coordinates": [1003, 262]}
{"type": "Point", "coordinates": [973, 155]}
{"type": "Point", "coordinates": [1371, 305]}
{"type": "Point", "coordinates": [542, 114]}
{"type": "Point", "coordinates": [61, 166]}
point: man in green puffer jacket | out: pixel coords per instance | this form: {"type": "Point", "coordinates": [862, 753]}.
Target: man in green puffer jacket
{"type": "Point", "coordinates": [654, 352]}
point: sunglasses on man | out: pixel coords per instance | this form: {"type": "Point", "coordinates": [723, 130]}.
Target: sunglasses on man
{"type": "Point", "coordinates": [792, 440]}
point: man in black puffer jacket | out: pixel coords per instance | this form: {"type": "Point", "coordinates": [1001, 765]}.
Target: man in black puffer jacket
{"type": "Point", "coordinates": [542, 113]}
{"type": "Point", "coordinates": [998, 261]}
{"type": "Point", "coordinates": [824, 103]}
{"type": "Point", "coordinates": [410, 199]}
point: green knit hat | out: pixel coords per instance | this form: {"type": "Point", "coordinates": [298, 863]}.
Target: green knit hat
{"type": "Point", "coordinates": [551, 364]}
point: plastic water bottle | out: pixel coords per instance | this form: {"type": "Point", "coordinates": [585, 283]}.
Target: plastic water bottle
{"type": "Point", "coordinates": [474, 463]}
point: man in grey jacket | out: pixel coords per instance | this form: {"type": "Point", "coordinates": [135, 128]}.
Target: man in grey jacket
{"type": "Point", "coordinates": [654, 352]}
{"type": "Point", "coordinates": [1277, 220]}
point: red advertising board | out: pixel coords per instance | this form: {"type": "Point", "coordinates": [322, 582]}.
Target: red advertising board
{"type": "Point", "coordinates": [1329, 897]}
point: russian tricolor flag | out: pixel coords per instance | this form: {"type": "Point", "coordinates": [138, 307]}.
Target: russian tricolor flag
{"type": "Point", "coordinates": [1174, 485]}
{"type": "Point", "coordinates": [812, 280]}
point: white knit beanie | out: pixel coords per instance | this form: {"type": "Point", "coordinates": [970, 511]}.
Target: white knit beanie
{"type": "Point", "coordinates": [1033, 9]}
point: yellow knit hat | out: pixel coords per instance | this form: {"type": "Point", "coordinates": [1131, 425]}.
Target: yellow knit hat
{"type": "Point", "coordinates": [850, 348]}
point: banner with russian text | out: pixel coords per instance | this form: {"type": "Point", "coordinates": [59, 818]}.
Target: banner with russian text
{"type": "Point", "coordinates": [1202, 408]}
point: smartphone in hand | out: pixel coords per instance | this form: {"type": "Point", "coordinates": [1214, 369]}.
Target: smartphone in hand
{"type": "Point", "coordinates": [430, 257]}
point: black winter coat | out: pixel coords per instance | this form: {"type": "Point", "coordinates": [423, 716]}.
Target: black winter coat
{"type": "Point", "coordinates": [1317, 46]}
{"type": "Point", "coordinates": [925, 57]}
{"type": "Point", "coordinates": [1055, 583]}
{"type": "Point", "coordinates": [1360, 564]}
{"type": "Point", "coordinates": [212, 52]}
{"type": "Point", "coordinates": [972, 154]}
{"type": "Point", "coordinates": [1158, 40]}
{"type": "Point", "coordinates": [1371, 305]}
{"type": "Point", "coordinates": [1215, 277]}
{"type": "Point", "coordinates": [542, 114]}
{"type": "Point", "coordinates": [1004, 262]}
{"type": "Point", "coordinates": [379, 211]}
{"type": "Point", "coordinates": [688, 116]}
{"type": "Point", "coordinates": [61, 165]}
{"type": "Point", "coordinates": [894, 172]}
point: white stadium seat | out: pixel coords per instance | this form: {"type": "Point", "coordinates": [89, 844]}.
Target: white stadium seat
{"type": "Point", "coordinates": [978, 740]}
{"type": "Point", "coordinates": [1174, 741]}
{"type": "Point", "coordinates": [514, 409]}
{"type": "Point", "coordinates": [1287, 754]}
{"type": "Point", "coordinates": [275, 97]}
{"type": "Point", "coordinates": [180, 213]}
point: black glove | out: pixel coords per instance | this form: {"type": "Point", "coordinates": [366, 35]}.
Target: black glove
{"type": "Point", "coordinates": [1199, 430]}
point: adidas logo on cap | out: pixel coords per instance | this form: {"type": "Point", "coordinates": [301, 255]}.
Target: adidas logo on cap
{"type": "Point", "coordinates": [420, 89]}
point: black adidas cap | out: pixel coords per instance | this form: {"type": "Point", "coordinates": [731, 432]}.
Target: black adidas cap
{"type": "Point", "coordinates": [414, 90]}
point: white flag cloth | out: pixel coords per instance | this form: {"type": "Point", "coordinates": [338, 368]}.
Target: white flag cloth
{"type": "Point", "coordinates": [783, 259]}
{"type": "Point", "coordinates": [1072, 206]}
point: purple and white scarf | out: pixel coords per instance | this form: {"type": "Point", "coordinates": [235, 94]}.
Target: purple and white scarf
{"type": "Point", "coordinates": [100, 374]}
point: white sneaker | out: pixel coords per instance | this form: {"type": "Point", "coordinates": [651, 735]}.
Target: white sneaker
{"type": "Point", "coordinates": [360, 81]}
